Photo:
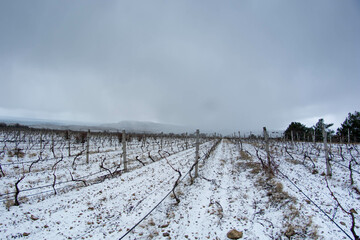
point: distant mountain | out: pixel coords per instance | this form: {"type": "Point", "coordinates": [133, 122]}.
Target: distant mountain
{"type": "Point", "coordinates": [129, 126]}
{"type": "Point", "coordinates": [33, 121]}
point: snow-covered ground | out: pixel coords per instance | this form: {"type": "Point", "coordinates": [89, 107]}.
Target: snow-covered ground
{"type": "Point", "coordinates": [231, 191]}
{"type": "Point", "coordinates": [42, 167]}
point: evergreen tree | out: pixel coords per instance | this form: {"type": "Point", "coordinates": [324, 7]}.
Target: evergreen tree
{"type": "Point", "coordinates": [318, 129]}
{"type": "Point", "coordinates": [298, 129]}
{"type": "Point", "coordinates": [351, 124]}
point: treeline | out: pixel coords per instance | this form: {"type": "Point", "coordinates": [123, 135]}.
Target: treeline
{"type": "Point", "coordinates": [349, 131]}
{"type": "Point", "coordinates": [13, 126]}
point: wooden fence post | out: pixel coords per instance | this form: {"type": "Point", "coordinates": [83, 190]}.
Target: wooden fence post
{"type": "Point", "coordinates": [124, 150]}
{"type": "Point", "coordinates": [87, 146]}
{"type": "Point", "coordinates": [197, 153]}
{"type": "Point", "coordinates": [328, 167]}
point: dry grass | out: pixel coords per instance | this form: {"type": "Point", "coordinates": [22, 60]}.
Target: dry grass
{"type": "Point", "coordinates": [10, 154]}
{"type": "Point", "coordinates": [32, 155]}
{"type": "Point", "coordinates": [257, 145]}
{"type": "Point", "coordinates": [295, 229]}
{"type": "Point", "coordinates": [254, 167]}
{"type": "Point", "coordinates": [245, 156]}
{"type": "Point", "coordinates": [18, 153]}
{"type": "Point", "coordinates": [275, 192]}
{"type": "Point", "coordinates": [23, 199]}
{"type": "Point", "coordinates": [295, 225]}
{"type": "Point", "coordinates": [295, 162]}
{"type": "Point", "coordinates": [9, 203]}
{"type": "Point", "coordinates": [170, 214]}
{"type": "Point", "coordinates": [151, 222]}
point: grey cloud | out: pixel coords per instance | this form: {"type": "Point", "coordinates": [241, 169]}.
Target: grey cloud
{"type": "Point", "coordinates": [235, 65]}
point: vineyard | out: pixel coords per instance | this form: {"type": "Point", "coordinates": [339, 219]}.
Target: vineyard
{"type": "Point", "coordinates": [82, 185]}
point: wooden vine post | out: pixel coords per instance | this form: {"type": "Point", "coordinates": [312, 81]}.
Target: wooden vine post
{"type": "Point", "coordinates": [52, 141]}
{"type": "Point", "coordinates": [40, 141]}
{"type": "Point", "coordinates": [197, 154]}
{"type": "Point", "coordinates": [124, 149]}
{"type": "Point", "coordinates": [328, 166]}
{"type": "Point", "coordinates": [69, 147]}
{"type": "Point", "coordinates": [161, 140]}
{"type": "Point", "coordinates": [87, 146]}
{"type": "Point", "coordinates": [40, 145]}
{"type": "Point", "coordinates": [240, 142]}
{"type": "Point", "coordinates": [313, 137]}
{"type": "Point", "coordinates": [266, 137]}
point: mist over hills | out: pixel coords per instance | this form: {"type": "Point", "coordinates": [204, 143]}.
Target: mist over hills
{"type": "Point", "coordinates": [128, 126]}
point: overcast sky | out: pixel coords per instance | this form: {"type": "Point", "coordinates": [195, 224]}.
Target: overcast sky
{"type": "Point", "coordinates": [239, 65]}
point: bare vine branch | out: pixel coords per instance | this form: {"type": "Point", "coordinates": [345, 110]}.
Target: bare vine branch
{"type": "Point", "coordinates": [137, 158]}
{"type": "Point", "coordinates": [351, 212]}
{"type": "Point", "coordinates": [17, 190]}
{"type": "Point", "coordinates": [151, 157]}
{"type": "Point", "coordinates": [106, 169]}
{"type": "Point", "coordinates": [176, 182]}
{"type": "Point", "coordinates": [77, 180]}
{"type": "Point", "coordinates": [76, 157]}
